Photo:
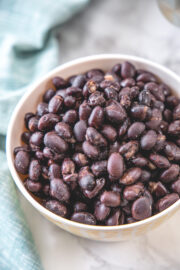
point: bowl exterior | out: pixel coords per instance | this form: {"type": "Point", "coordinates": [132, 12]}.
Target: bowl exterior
{"type": "Point", "coordinates": [16, 126]}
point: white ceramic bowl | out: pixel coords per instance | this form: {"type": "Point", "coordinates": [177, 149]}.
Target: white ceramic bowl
{"type": "Point", "coordinates": [29, 102]}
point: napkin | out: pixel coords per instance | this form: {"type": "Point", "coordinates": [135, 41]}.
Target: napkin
{"type": "Point", "coordinates": [28, 49]}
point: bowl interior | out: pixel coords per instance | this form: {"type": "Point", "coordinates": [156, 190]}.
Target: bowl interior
{"type": "Point", "coordinates": [29, 101]}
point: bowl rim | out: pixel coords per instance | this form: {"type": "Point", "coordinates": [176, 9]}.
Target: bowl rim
{"type": "Point", "coordinates": [52, 216]}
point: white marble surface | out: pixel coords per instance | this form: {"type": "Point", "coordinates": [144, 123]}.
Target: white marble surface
{"type": "Point", "coordinates": [118, 26]}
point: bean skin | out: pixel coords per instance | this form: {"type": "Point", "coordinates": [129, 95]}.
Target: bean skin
{"type": "Point", "coordinates": [80, 159]}
{"type": "Point", "coordinates": [84, 217]}
{"type": "Point", "coordinates": [100, 182]}
{"type": "Point", "coordinates": [68, 166]}
{"type": "Point", "coordinates": [22, 161]}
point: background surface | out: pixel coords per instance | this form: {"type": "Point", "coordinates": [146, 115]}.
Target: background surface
{"type": "Point", "coordinates": [116, 26]}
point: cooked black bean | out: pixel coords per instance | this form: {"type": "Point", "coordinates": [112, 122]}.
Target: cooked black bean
{"type": "Point", "coordinates": [54, 171]}
{"type": "Point", "coordinates": [59, 190]}
{"type": "Point", "coordinates": [148, 140]}
{"type": "Point", "coordinates": [56, 207]}
{"type": "Point", "coordinates": [94, 137]}
{"type": "Point", "coordinates": [34, 170]}
{"type": "Point", "coordinates": [80, 159]}
{"type": "Point", "coordinates": [63, 130]}
{"type": "Point", "coordinates": [115, 165]}
{"type": "Point", "coordinates": [135, 130]}
{"type": "Point", "coordinates": [141, 208]}
{"type": "Point", "coordinates": [115, 113]}
{"type": "Point", "coordinates": [48, 95]}
{"type": "Point", "coordinates": [114, 219]}
{"type": "Point", "coordinates": [166, 201]}
{"type": "Point", "coordinates": [56, 143]}
{"type": "Point", "coordinates": [170, 174]}
{"type": "Point", "coordinates": [70, 117]}
{"type": "Point", "coordinates": [59, 82]}
{"type": "Point", "coordinates": [160, 161]}
{"type": "Point", "coordinates": [176, 186]}
{"type": "Point", "coordinates": [96, 117]}
{"type": "Point", "coordinates": [101, 211]}
{"type": "Point", "coordinates": [99, 168]}
{"type": "Point", "coordinates": [128, 150]}
{"type": "Point", "coordinates": [84, 217]}
{"type": "Point", "coordinates": [32, 186]}
{"type": "Point", "coordinates": [80, 130]}
{"type": "Point", "coordinates": [110, 198]}
{"type": "Point", "coordinates": [48, 121]}
{"type": "Point", "coordinates": [84, 111]}
{"type": "Point", "coordinates": [90, 150]}
{"type": "Point", "coordinates": [104, 146]}
{"type": "Point", "coordinates": [130, 176]}
{"type": "Point", "coordinates": [22, 161]}
{"type": "Point", "coordinates": [132, 192]}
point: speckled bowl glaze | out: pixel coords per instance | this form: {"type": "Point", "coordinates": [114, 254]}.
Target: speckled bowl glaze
{"type": "Point", "coordinates": [29, 102]}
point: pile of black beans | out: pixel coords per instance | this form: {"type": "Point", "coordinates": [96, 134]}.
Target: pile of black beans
{"type": "Point", "coordinates": [103, 147]}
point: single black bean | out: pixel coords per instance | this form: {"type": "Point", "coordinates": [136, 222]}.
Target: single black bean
{"type": "Point", "coordinates": [80, 130]}
{"type": "Point", "coordinates": [115, 165]}
{"type": "Point", "coordinates": [34, 170]}
{"type": "Point", "coordinates": [140, 112]}
{"type": "Point", "coordinates": [172, 151]}
{"type": "Point", "coordinates": [115, 113]}
{"type": "Point", "coordinates": [135, 130]}
{"type": "Point", "coordinates": [54, 171]}
{"type": "Point", "coordinates": [70, 101]}
{"type": "Point", "coordinates": [37, 138]}
{"type": "Point", "coordinates": [127, 70]}
{"type": "Point", "coordinates": [128, 150]}
{"type": "Point", "coordinates": [176, 186]}
{"type": "Point", "coordinates": [110, 198]}
{"type": "Point", "coordinates": [48, 95]}
{"type": "Point", "coordinates": [79, 81]}
{"type": "Point", "coordinates": [22, 161]}
{"type": "Point", "coordinates": [80, 207]}
{"type": "Point", "coordinates": [176, 112]}
{"type": "Point", "coordinates": [84, 111]}
{"type": "Point", "coordinates": [133, 192]}
{"type": "Point", "coordinates": [166, 201]}
{"type": "Point", "coordinates": [109, 132]}
{"type": "Point", "coordinates": [146, 77]}
{"type": "Point", "coordinates": [63, 130]}
{"type": "Point", "coordinates": [111, 93]}
{"type": "Point", "coordinates": [70, 117]}
{"type": "Point", "coordinates": [59, 190]}
{"type": "Point", "coordinates": [42, 109]}
{"type": "Point", "coordinates": [158, 189]}
{"type": "Point", "coordinates": [160, 161]}
{"type": "Point", "coordinates": [25, 137]}
{"type": "Point", "coordinates": [99, 168]}
{"type": "Point", "coordinates": [59, 82]}
{"type": "Point", "coordinates": [114, 219]}
{"type": "Point", "coordinates": [131, 176]}
{"type": "Point", "coordinates": [32, 186]}
{"type": "Point", "coordinates": [56, 207]}
{"type": "Point", "coordinates": [96, 117]}
{"type": "Point", "coordinates": [174, 128]}
{"type": "Point", "coordinates": [96, 99]}
{"type": "Point", "coordinates": [56, 143]}
{"type": "Point", "coordinates": [84, 217]}
{"type": "Point", "coordinates": [141, 208]}
{"type": "Point", "coordinates": [94, 137]}
{"type": "Point", "coordinates": [27, 117]}
{"type": "Point", "coordinates": [101, 211]}
{"type": "Point", "coordinates": [80, 159]}
{"type": "Point", "coordinates": [100, 183]}
{"type": "Point", "coordinates": [170, 174]}
{"type": "Point", "coordinates": [48, 121]}
{"type": "Point", "coordinates": [33, 124]}
{"type": "Point", "coordinates": [148, 140]}
{"type": "Point", "coordinates": [89, 88]}
{"type": "Point", "coordinates": [90, 150]}
{"type": "Point", "coordinates": [145, 176]}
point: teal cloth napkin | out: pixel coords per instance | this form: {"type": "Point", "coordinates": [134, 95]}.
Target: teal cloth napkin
{"type": "Point", "coordinates": [28, 49]}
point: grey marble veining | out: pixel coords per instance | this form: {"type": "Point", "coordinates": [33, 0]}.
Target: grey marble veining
{"type": "Point", "coordinates": [114, 26]}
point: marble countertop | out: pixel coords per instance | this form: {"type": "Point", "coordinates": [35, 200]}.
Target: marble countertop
{"type": "Point", "coordinates": [116, 26]}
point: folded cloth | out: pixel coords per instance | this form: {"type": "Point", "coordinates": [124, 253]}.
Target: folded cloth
{"type": "Point", "coordinates": [28, 49]}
